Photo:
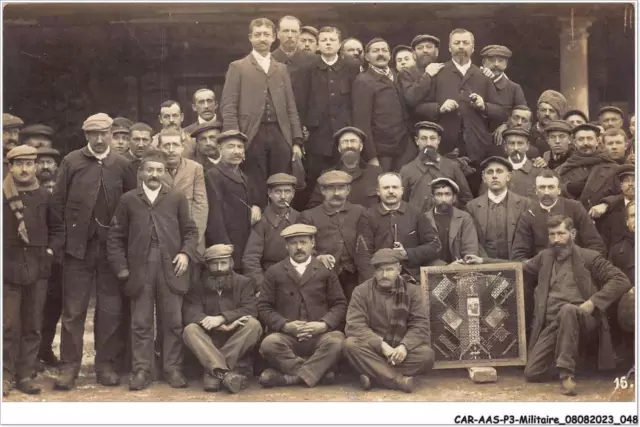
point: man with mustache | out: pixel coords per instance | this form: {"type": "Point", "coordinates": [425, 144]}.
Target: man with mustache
{"type": "Point", "coordinates": [416, 80]}
{"type": "Point", "coordinates": [396, 225]}
{"type": "Point", "coordinates": [463, 100]}
{"type": "Point", "coordinates": [205, 107]}
{"type": "Point", "coordinates": [308, 40]}
{"type": "Point", "coordinates": [575, 286]}
{"type": "Point", "coordinates": [531, 238]}
{"type": "Point", "coordinates": [152, 242]}
{"type": "Point", "coordinates": [220, 318]}
{"type": "Point", "coordinates": [171, 117]}
{"type": "Point", "coordinates": [265, 246]}
{"type": "Point", "coordinates": [558, 135]}
{"type": "Point", "coordinates": [258, 100]}
{"type": "Point", "coordinates": [121, 135]}
{"type": "Point", "coordinates": [519, 118]}
{"type": "Point", "coordinates": [10, 137]}
{"type": "Point", "coordinates": [33, 234]}
{"type": "Point", "coordinates": [187, 177]}
{"type": "Point", "coordinates": [302, 304]}
{"type": "Point", "coordinates": [139, 143]}
{"type": "Point", "coordinates": [37, 136]}
{"type": "Point", "coordinates": [351, 48]}
{"type": "Point", "coordinates": [428, 165]}
{"type": "Point", "coordinates": [610, 117]}
{"type": "Point", "coordinates": [575, 117]}
{"type": "Point", "coordinates": [289, 52]}
{"type": "Point", "coordinates": [206, 135]}
{"type": "Point", "coordinates": [551, 105]}
{"type": "Point", "coordinates": [336, 220]}
{"type": "Point", "coordinates": [456, 230]}
{"type": "Point", "coordinates": [387, 327]}
{"type": "Point", "coordinates": [378, 109]}
{"type": "Point", "coordinates": [90, 183]}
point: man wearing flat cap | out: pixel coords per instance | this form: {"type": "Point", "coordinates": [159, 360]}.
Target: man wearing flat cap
{"type": "Point", "coordinates": [552, 105]}
{"type": "Point", "coordinates": [302, 306]}
{"type": "Point", "coordinates": [575, 117]}
{"type": "Point", "coordinates": [206, 136]}
{"type": "Point", "coordinates": [205, 107]}
{"type": "Point", "coordinates": [456, 229]}
{"type": "Point", "coordinates": [416, 80]}
{"type": "Point", "coordinates": [10, 137]}
{"type": "Point", "coordinates": [428, 165]}
{"type": "Point", "coordinates": [220, 317]}
{"type": "Point", "coordinates": [463, 101]}
{"type": "Point", "coordinates": [37, 136]}
{"type": "Point", "coordinates": [152, 242]}
{"type": "Point", "coordinates": [612, 225]}
{"type": "Point", "coordinates": [496, 213]}
{"type": "Point", "coordinates": [266, 246]}
{"type": "Point", "coordinates": [558, 136]}
{"type": "Point", "coordinates": [232, 197]}
{"type": "Point", "coordinates": [349, 141]}
{"type": "Point", "coordinates": [139, 142]}
{"type": "Point", "coordinates": [33, 235]}
{"type": "Point", "coordinates": [121, 135]}
{"type": "Point", "coordinates": [388, 327]}
{"type": "Point", "coordinates": [90, 183]}
{"type": "Point", "coordinates": [610, 117]}
{"type": "Point", "coordinates": [308, 40]}
{"type": "Point", "coordinates": [394, 224]}
{"type": "Point", "coordinates": [336, 220]}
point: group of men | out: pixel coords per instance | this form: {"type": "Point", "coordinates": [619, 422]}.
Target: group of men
{"type": "Point", "coordinates": [217, 228]}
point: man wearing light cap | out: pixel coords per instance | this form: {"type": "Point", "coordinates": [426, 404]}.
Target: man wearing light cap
{"type": "Point", "coordinates": [337, 220]}
{"type": "Point", "coordinates": [552, 105]}
{"type": "Point", "coordinates": [206, 136]}
{"type": "Point", "coordinates": [610, 117]}
{"type": "Point", "coordinates": [90, 183]}
{"type": "Point", "coordinates": [265, 246]}
{"type": "Point", "coordinates": [37, 136]}
{"type": "Point", "coordinates": [558, 136]}
{"type": "Point", "coordinates": [308, 40]}
{"type": "Point", "coordinates": [10, 136]}
{"type": "Point", "coordinates": [220, 318]}
{"type": "Point", "coordinates": [121, 135]}
{"type": "Point", "coordinates": [416, 80]}
{"type": "Point", "coordinates": [301, 303]}
{"type": "Point", "coordinates": [387, 327]}
{"type": "Point", "coordinates": [33, 234]}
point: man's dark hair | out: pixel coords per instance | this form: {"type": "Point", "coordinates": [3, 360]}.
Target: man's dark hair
{"type": "Point", "coordinates": [549, 173]}
{"type": "Point", "coordinates": [521, 108]}
{"type": "Point", "coordinates": [262, 22]}
{"type": "Point", "coordinates": [170, 103]}
{"type": "Point", "coordinates": [141, 127]}
{"type": "Point", "coordinates": [557, 220]}
{"type": "Point", "coordinates": [330, 30]}
{"type": "Point", "coordinates": [153, 155]}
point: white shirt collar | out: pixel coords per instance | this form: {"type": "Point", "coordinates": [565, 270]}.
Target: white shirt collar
{"type": "Point", "coordinates": [626, 202]}
{"type": "Point", "coordinates": [330, 63]}
{"type": "Point", "coordinates": [203, 121]}
{"type": "Point", "coordinates": [263, 61]}
{"type": "Point", "coordinates": [517, 166]}
{"type": "Point", "coordinates": [214, 161]}
{"type": "Point", "coordinates": [499, 198]}
{"type": "Point", "coordinates": [99, 156]}
{"type": "Point", "coordinates": [151, 194]}
{"type": "Point", "coordinates": [500, 77]}
{"type": "Point", "coordinates": [548, 208]}
{"type": "Point", "coordinates": [462, 68]}
{"type": "Point", "coordinates": [300, 267]}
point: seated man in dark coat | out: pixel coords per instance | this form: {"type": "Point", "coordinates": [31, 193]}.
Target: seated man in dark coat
{"type": "Point", "coordinates": [220, 318]}
{"type": "Point", "coordinates": [575, 286]}
{"type": "Point", "coordinates": [301, 303]}
{"type": "Point", "coordinates": [387, 327]}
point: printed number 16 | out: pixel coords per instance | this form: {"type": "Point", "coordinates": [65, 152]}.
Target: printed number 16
{"type": "Point", "coordinates": [621, 382]}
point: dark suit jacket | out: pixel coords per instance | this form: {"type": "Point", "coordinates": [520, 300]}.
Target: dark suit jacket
{"type": "Point", "coordinates": [479, 209]}
{"type": "Point", "coordinates": [415, 85]}
{"type": "Point", "coordinates": [450, 84]}
{"type": "Point", "coordinates": [622, 255]}
{"type": "Point", "coordinates": [364, 187]}
{"type": "Point", "coordinates": [463, 237]}
{"type": "Point", "coordinates": [244, 94]}
{"type": "Point", "coordinates": [284, 292]}
{"type": "Point", "coordinates": [130, 237]}
{"type": "Point", "coordinates": [510, 94]}
{"type": "Point", "coordinates": [523, 181]}
{"type": "Point", "coordinates": [299, 59]}
{"type": "Point", "coordinates": [597, 280]}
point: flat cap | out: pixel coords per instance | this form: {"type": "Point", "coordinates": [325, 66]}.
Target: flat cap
{"type": "Point", "coordinates": [446, 181]}
{"type": "Point", "coordinates": [574, 113]}
{"type": "Point", "coordinates": [48, 152]}
{"type": "Point", "coordinates": [610, 109]}
{"type": "Point", "coordinates": [625, 169]}
{"type": "Point", "coordinates": [218, 252]}
{"type": "Point", "coordinates": [298, 230]}
{"type": "Point", "coordinates": [39, 130]}
{"type": "Point", "coordinates": [23, 152]}
{"type": "Point", "coordinates": [232, 134]}
{"type": "Point", "coordinates": [353, 129]}
{"type": "Point", "coordinates": [557, 126]}
{"type": "Point", "coordinates": [282, 179]}
{"type": "Point", "coordinates": [311, 30]}
{"type": "Point", "coordinates": [424, 38]}
{"type": "Point", "coordinates": [586, 126]}
{"type": "Point", "coordinates": [121, 125]}
{"type": "Point", "coordinates": [154, 155]}
{"type": "Point", "coordinates": [99, 121]}
{"type": "Point", "coordinates": [335, 177]}
{"type": "Point", "coordinates": [496, 50]}
{"type": "Point", "coordinates": [385, 256]}
{"type": "Point", "coordinates": [516, 131]}
{"type": "Point", "coordinates": [428, 125]}
{"type": "Point", "coordinates": [203, 127]}
{"type": "Point", "coordinates": [400, 48]}
{"type": "Point", "coordinates": [497, 159]}
{"type": "Point", "coordinates": [10, 121]}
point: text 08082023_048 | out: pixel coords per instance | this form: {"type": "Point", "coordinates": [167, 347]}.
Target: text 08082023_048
{"type": "Point", "coordinates": [537, 419]}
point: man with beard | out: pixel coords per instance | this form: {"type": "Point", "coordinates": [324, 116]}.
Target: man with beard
{"type": "Point", "coordinates": [496, 213]}
{"type": "Point", "coordinates": [152, 241]}
{"type": "Point", "coordinates": [323, 98]}
{"type": "Point", "coordinates": [612, 224]}
{"type": "Point", "coordinates": [575, 286]}
{"type": "Point", "coordinates": [205, 106]}
{"type": "Point", "coordinates": [456, 230]}
{"type": "Point", "coordinates": [121, 135]}
{"type": "Point", "coordinates": [396, 225]}
{"type": "Point", "coordinates": [33, 234]}
{"type": "Point", "coordinates": [351, 48]}
{"type": "Point", "coordinates": [187, 177]}
{"type": "Point", "coordinates": [531, 239]}
{"type": "Point", "coordinates": [10, 136]}
{"type": "Point", "coordinates": [575, 118]}
{"type": "Point", "coordinates": [37, 136]}
{"type": "Point", "coordinates": [365, 176]}
{"type": "Point", "coordinates": [379, 111]}
{"type": "Point", "coordinates": [610, 117]}
{"type": "Point", "coordinates": [47, 165]}
{"type": "Point", "coordinates": [289, 52]}
{"type": "Point", "coordinates": [171, 117]}
{"type": "Point", "coordinates": [301, 303]}
{"type": "Point", "coordinates": [558, 135]}
{"type": "Point", "coordinates": [428, 165]}
{"type": "Point", "coordinates": [220, 318]}
{"type": "Point", "coordinates": [258, 100]}
{"type": "Point", "coordinates": [403, 56]}
{"type": "Point", "coordinates": [308, 40]}
{"type": "Point", "coordinates": [336, 220]}
{"type": "Point", "coordinates": [416, 80]}
{"type": "Point", "coordinates": [90, 183]}
{"type": "Point", "coordinates": [551, 105]}
{"type": "Point", "coordinates": [232, 198]}
{"type": "Point", "coordinates": [463, 100]}
{"type": "Point", "coordinates": [387, 327]}
{"type": "Point", "coordinates": [265, 246]}
{"type": "Point", "coordinates": [206, 135]}
{"type": "Point", "coordinates": [139, 143]}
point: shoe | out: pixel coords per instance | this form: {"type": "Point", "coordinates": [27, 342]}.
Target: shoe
{"type": "Point", "coordinates": [272, 378]}
{"type": "Point", "coordinates": [569, 386]}
{"type": "Point", "coordinates": [211, 383]}
{"type": "Point", "coordinates": [234, 382]}
{"type": "Point", "coordinates": [7, 386]}
{"type": "Point", "coordinates": [107, 376]}
{"type": "Point", "coordinates": [49, 359]}
{"type": "Point", "coordinates": [66, 380]}
{"type": "Point", "coordinates": [406, 384]}
{"type": "Point", "coordinates": [365, 382]}
{"type": "Point", "coordinates": [139, 381]}
{"type": "Point", "coordinates": [176, 379]}
{"type": "Point", "coordinates": [28, 386]}
{"type": "Point", "coordinates": [329, 378]}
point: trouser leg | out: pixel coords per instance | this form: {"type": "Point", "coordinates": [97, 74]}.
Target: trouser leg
{"type": "Point", "coordinates": [541, 356]}
{"type": "Point", "coordinates": [573, 324]}
{"type": "Point", "coordinates": [142, 305]}
{"type": "Point", "coordinates": [370, 362]}
{"type": "Point", "coordinates": [11, 302]}
{"type": "Point", "coordinates": [203, 347]}
{"type": "Point", "coordinates": [52, 309]}
{"type": "Point", "coordinates": [279, 350]}
{"type": "Point", "coordinates": [327, 349]}
{"type": "Point", "coordinates": [386, 163]}
{"type": "Point", "coordinates": [256, 165]}
{"type": "Point", "coordinates": [170, 311]}
{"type": "Point", "coordinates": [279, 152]}
{"type": "Point", "coordinates": [418, 361]}
{"type": "Point", "coordinates": [241, 341]}
{"type": "Point", "coordinates": [32, 304]}
{"type": "Point", "coordinates": [349, 281]}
